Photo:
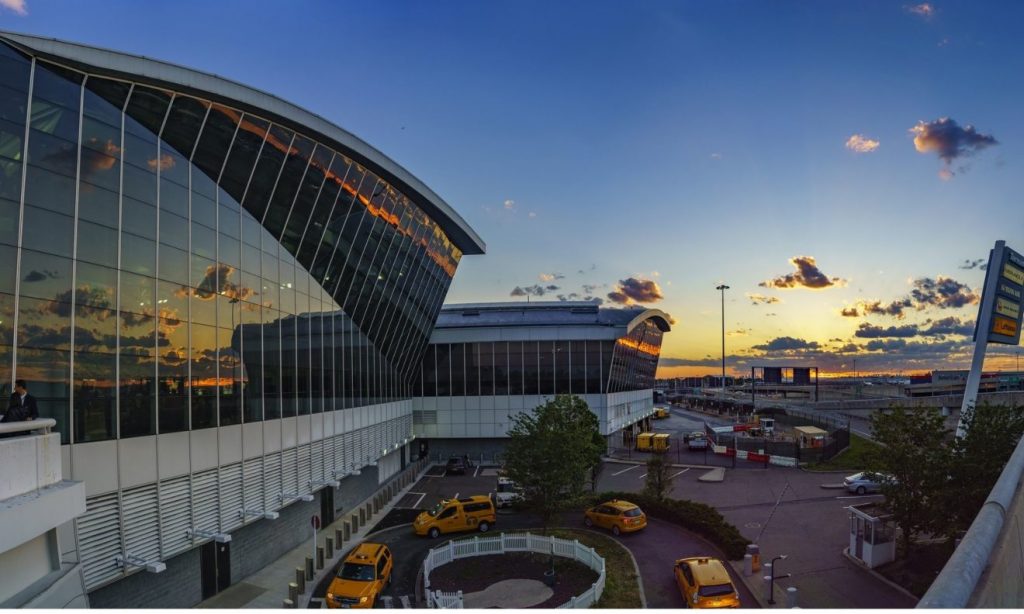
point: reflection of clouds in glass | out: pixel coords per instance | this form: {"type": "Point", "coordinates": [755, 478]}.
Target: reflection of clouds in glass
{"type": "Point", "coordinates": [34, 276]}
{"type": "Point", "coordinates": [98, 158]}
{"type": "Point", "coordinates": [217, 280]}
{"type": "Point", "coordinates": [165, 162]}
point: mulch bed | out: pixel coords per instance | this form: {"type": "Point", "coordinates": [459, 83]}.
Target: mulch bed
{"type": "Point", "coordinates": [476, 573]}
{"type": "Point", "coordinates": [917, 572]}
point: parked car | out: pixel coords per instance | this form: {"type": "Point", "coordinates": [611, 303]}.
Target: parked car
{"type": "Point", "coordinates": [865, 482]}
{"type": "Point", "coordinates": [616, 516]}
{"type": "Point", "coordinates": [697, 441]}
{"type": "Point", "coordinates": [361, 578]}
{"type": "Point", "coordinates": [455, 465]}
{"type": "Point", "coordinates": [474, 513]}
{"type": "Point", "coordinates": [705, 583]}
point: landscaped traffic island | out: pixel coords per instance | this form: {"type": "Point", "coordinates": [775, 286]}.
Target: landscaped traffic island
{"type": "Point", "coordinates": [513, 570]}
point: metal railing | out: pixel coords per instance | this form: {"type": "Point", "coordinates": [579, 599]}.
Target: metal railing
{"type": "Point", "coordinates": [24, 426]}
{"type": "Point", "coordinates": [513, 542]}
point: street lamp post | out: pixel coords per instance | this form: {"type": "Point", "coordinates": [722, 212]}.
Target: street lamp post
{"type": "Point", "coordinates": [771, 588]}
{"type": "Point", "coordinates": [723, 288]}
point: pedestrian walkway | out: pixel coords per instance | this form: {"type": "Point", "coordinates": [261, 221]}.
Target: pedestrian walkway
{"type": "Point", "coordinates": [268, 587]}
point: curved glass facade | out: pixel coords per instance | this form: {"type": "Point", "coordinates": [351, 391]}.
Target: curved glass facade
{"type": "Point", "coordinates": [177, 264]}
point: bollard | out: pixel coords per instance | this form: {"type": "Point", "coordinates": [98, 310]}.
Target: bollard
{"type": "Point", "coordinates": [369, 513]}
{"type": "Point", "coordinates": [755, 557]}
{"type": "Point", "coordinates": [346, 528]}
{"type": "Point", "coordinates": [376, 504]}
{"type": "Point", "coordinates": [791, 597]}
{"type": "Point", "coordinates": [293, 591]}
{"type": "Point", "coordinates": [319, 557]}
{"type": "Point", "coordinates": [747, 562]}
{"type": "Point", "coordinates": [288, 604]}
{"type": "Point", "coordinates": [767, 588]}
{"type": "Point", "coordinates": [329, 548]}
{"type": "Point", "coordinates": [309, 569]}
{"type": "Point", "coordinates": [300, 579]}
{"type": "Point", "coordinates": [338, 537]}
{"type": "Point", "coordinates": [362, 516]}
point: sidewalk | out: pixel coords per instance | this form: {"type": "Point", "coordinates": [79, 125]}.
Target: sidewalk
{"type": "Point", "coordinates": [268, 587]}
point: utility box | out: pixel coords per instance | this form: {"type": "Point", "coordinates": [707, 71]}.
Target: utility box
{"type": "Point", "coordinates": [661, 442]}
{"type": "Point", "coordinates": [645, 442]}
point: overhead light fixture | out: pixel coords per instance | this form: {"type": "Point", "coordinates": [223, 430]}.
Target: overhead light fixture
{"type": "Point", "coordinates": [137, 561]}
{"type": "Point", "coordinates": [334, 483]}
{"type": "Point", "coordinates": [220, 538]}
{"type": "Point", "coordinates": [285, 496]}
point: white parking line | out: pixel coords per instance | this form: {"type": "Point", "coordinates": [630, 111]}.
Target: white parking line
{"type": "Point", "coordinates": [476, 471]}
{"type": "Point", "coordinates": [456, 496]}
{"type": "Point", "coordinates": [421, 494]}
{"type": "Point", "coordinates": [642, 477]}
{"type": "Point", "coordinates": [625, 470]}
{"type": "Point", "coordinates": [861, 496]}
{"type": "Point", "coordinates": [680, 473]}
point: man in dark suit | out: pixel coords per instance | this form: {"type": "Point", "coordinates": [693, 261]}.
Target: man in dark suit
{"type": "Point", "coordinates": [22, 406]}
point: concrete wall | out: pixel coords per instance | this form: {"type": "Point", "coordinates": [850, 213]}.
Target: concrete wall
{"type": "Point", "coordinates": [29, 462]}
{"type": "Point", "coordinates": [1001, 585]}
{"type": "Point", "coordinates": [355, 489]}
{"type": "Point", "coordinates": [258, 544]}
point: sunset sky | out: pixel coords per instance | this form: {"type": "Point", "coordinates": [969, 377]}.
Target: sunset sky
{"type": "Point", "coordinates": [843, 167]}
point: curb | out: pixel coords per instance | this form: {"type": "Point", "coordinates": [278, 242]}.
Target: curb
{"type": "Point", "coordinates": [860, 565]}
{"type": "Point", "coordinates": [636, 567]}
{"type": "Point", "coordinates": [751, 583]}
{"type": "Point", "coordinates": [833, 486]}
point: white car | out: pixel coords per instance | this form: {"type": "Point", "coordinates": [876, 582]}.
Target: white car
{"type": "Point", "coordinates": [507, 493]}
{"type": "Point", "coordinates": [866, 481]}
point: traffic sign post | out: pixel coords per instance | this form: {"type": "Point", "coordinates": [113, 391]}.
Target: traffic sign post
{"type": "Point", "coordinates": [999, 317]}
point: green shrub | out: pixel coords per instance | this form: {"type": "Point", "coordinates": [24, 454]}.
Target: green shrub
{"type": "Point", "coordinates": [703, 520]}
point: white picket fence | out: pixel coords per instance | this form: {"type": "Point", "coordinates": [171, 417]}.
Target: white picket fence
{"type": "Point", "coordinates": [512, 542]}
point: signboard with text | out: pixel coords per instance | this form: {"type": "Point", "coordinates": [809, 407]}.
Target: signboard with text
{"type": "Point", "coordinates": [1005, 304]}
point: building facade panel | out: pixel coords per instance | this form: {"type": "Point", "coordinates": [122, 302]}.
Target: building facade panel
{"type": "Point", "coordinates": [190, 272]}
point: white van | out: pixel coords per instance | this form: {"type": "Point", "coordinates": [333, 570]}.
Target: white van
{"type": "Point", "coordinates": [507, 492]}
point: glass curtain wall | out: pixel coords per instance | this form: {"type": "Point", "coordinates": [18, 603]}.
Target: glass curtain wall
{"type": "Point", "coordinates": [176, 264]}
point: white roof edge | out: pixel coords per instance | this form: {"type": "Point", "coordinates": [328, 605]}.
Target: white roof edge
{"type": "Point", "coordinates": [647, 315]}
{"type": "Point", "coordinates": [105, 59]}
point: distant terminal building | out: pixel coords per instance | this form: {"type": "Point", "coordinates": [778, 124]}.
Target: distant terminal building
{"type": "Point", "coordinates": [221, 299]}
{"type": "Point", "coordinates": [489, 361]}
{"type": "Point", "coordinates": [953, 382]}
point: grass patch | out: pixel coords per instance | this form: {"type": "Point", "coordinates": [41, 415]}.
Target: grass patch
{"type": "Point", "coordinates": [622, 585]}
{"type": "Point", "coordinates": [857, 457]}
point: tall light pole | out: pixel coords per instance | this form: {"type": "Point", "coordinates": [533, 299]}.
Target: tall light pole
{"type": "Point", "coordinates": [723, 288]}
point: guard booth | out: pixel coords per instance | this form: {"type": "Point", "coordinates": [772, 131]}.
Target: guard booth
{"type": "Point", "coordinates": [661, 442]}
{"type": "Point", "coordinates": [872, 535]}
{"type": "Point", "coordinates": [645, 442]}
{"type": "Point", "coordinates": [811, 436]}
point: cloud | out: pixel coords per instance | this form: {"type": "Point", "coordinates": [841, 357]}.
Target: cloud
{"type": "Point", "coordinates": [716, 156]}
{"type": "Point", "coordinates": [807, 275]}
{"type": "Point", "coordinates": [861, 144]}
{"type": "Point", "coordinates": [949, 141]}
{"type": "Point", "coordinates": [16, 6]}
{"type": "Point", "coordinates": [707, 361]}
{"type": "Point", "coordinates": [949, 326]}
{"type": "Point", "coordinates": [942, 292]}
{"type": "Point", "coordinates": [534, 290]}
{"type": "Point", "coordinates": [924, 10]}
{"type": "Point", "coordinates": [532, 214]}
{"type": "Point", "coordinates": [550, 276]}
{"type": "Point", "coordinates": [850, 312]}
{"type": "Point", "coordinates": [739, 332]}
{"type": "Point", "coordinates": [870, 331]}
{"type": "Point", "coordinates": [761, 299]}
{"type": "Point", "coordinates": [633, 290]}
{"type": "Point", "coordinates": [787, 344]}
{"type": "Point", "coordinates": [980, 264]}
{"type": "Point", "coordinates": [164, 162]}
{"type": "Point", "coordinates": [510, 205]}
{"type": "Point", "coordinates": [33, 276]}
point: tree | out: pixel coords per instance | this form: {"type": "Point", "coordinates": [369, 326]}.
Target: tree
{"type": "Point", "coordinates": [551, 452]}
{"type": "Point", "coordinates": [915, 454]}
{"type": "Point", "coordinates": [658, 484]}
{"type": "Point", "coordinates": [991, 434]}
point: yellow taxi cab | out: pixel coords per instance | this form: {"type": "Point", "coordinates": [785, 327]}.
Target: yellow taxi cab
{"type": "Point", "coordinates": [474, 513]}
{"type": "Point", "coordinates": [616, 516]}
{"type": "Point", "coordinates": [361, 578]}
{"type": "Point", "coordinates": [661, 413]}
{"type": "Point", "coordinates": [705, 583]}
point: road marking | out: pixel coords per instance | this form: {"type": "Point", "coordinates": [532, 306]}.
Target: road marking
{"type": "Point", "coordinates": [861, 496]}
{"type": "Point", "coordinates": [387, 602]}
{"type": "Point", "coordinates": [456, 496]}
{"type": "Point", "coordinates": [680, 473]}
{"type": "Point", "coordinates": [625, 470]}
{"type": "Point", "coordinates": [643, 476]}
{"type": "Point", "coordinates": [417, 504]}
{"type": "Point", "coordinates": [476, 471]}
{"type": "Point", "coordinates": [405, 601]}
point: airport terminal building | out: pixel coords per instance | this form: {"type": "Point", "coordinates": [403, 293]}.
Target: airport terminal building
{"type": "Point", "coordinates": [488, 361]}
{"type": "Point", "coordinates": [222, 299]}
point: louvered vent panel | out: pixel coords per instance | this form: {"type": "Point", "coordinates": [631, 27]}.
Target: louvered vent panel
{"type": "Point", "coordinates": [305, 466]}
{"type": "Point", "coordinates": [289, 477]}
{"type": "Point", "coordinates": [141, 518]}
{"type": "Point", "coordinates": [377, 443]}
{"type": "Point", "coordinates": [175, 516]}
{"type": "Point", "coordinates": [348, 450]}
{"type": "Point", "coordinates": [99, 539]}
{"type": "Point", "coordinates": [272, 481]}
{"type": "Point", "coordinates": [204, 500]}
{"type": "Point", "coordinates": [317, 470]}
{"type": "Point", "coordinates": [253, 484]}
{"type": "Point", "coordinates": [230, 496]}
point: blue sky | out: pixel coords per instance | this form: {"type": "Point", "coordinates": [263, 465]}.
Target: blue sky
{"type": "Point", "coordinates": [680, 143]}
